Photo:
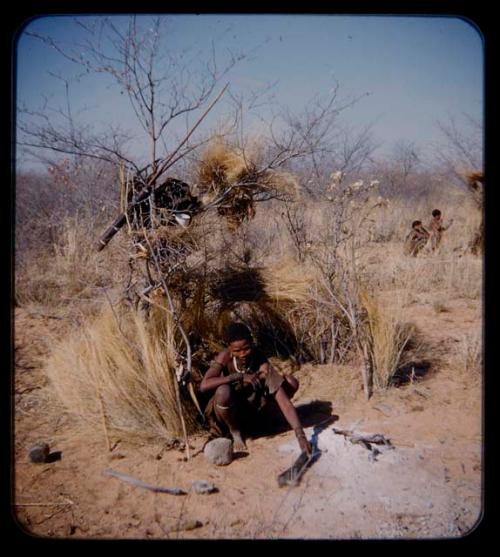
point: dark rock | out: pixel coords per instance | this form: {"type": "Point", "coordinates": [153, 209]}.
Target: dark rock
{"type": "Point", "coordinates": [39, 453]}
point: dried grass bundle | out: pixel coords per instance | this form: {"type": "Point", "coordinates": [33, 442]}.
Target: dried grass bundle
{"type": "Point", "coordinates": [219, 167]}
{"type": "Point", "coordinates": [287, 280]}
{"type": "Point", "coordinates": [475, 183]}
{"type": "Point", "coordinates": [119, 371]}
{"type": "Point", "coordinates": [388, 337]}
{"type": "Point", "coordinates": [231, 178]}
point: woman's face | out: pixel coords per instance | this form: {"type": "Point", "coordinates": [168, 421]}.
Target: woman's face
{"type": "Point", "coordinates": [241, 349]}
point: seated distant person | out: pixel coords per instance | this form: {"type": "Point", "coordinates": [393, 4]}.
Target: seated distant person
{"type": "Point", "coordinates": [416, 238]}
{"type": "Point", "coordinates": [436, 229]}
{"type": "Point", "coordinates": [243, 382]}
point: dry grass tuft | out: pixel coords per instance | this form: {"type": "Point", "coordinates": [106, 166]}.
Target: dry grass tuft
{"type": "Point", "coordinates": [439, 307]}
{"type": "Point", "coordinates": [388, 338]}
{"type": "Point", "coordinates": [69, 270]}
{"type": "Point", "coordinates": [468, 359]}
{"type": "Point", "coordinates": [444, 272]}
{"type": "Point", "coordinates": [118, 372]}
{"type": "Point", "coordinates": [287, 280]}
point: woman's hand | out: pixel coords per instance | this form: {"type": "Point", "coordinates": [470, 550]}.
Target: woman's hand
{"type": "Point", "coordinates": [304, 444]}
{"type": "Point", "coordinates": [251, 379]}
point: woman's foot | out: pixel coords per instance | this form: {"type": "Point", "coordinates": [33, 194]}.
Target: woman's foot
{"type": "Point", "coordinates": [239, 445]}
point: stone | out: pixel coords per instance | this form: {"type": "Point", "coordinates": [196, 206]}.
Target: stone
{"type": "Point", "coordinates": [187, 525]}
{"type": "Point", "coordinates": [39, 452]}
{"type": "Point", "coordinates": [219, 451]}
{"type": "Point", "coordinates": [201, 486]}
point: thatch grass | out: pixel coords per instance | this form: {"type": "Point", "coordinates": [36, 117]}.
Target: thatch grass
{"type": "Point", "coordinates": [233, 175]}
{"type": "Point", "coordinates": [288, 280]}
{"type": "Point", "coordinates": [263, 297]}
{"type": "Point", "coordinates": [118, 373]}
{"type": "Point", "coordinates": [219, 167]}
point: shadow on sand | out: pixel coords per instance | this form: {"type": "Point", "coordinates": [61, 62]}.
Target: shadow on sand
{"type": "Point", "coordinates": [411, 371]}
{"type": "Point", "coordinates": [317, 413]}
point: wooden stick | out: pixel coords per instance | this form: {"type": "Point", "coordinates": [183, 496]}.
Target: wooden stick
{"type": "Point", "coordinates": [102, 411]}
{"type": "Point", "coordinates": [184, 336]}
{"type": "Point", "coordinates": [144, 485]}
{"type": "Point", "coordinates": [42, 504]}
{"type": "Point", "coordinates": [183, 423]}
{"type": "Point", "coordinates": [165, 164]}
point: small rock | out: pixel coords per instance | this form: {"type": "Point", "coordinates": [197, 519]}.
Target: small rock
{"type": "Point", "coordinates": [39, 452]}
{"type": "Point", "coordinates": [219, 451]}
{"type": "Point", "coordinates": [201, 486]}
{"type": "Point", "coordinates": [187, 525]}
{"type": "Point", "coordinates": [71, 529]}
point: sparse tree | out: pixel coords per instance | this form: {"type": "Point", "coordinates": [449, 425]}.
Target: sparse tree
{"type": "Point", "coordinates": [398, 171]}
{"type": "Point", "coordinates": [165, 91]}
{"type": "Point", "coordinates": [316, 142]}
{"type": "Point", "coordinates": [461, 150]}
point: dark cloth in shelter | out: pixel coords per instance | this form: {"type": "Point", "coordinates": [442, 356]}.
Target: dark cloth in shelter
{"type": "Point", "coordinates": [172, 195]}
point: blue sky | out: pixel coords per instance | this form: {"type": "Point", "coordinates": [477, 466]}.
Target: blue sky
{"type": "Point", "coordinates": [415, 69]}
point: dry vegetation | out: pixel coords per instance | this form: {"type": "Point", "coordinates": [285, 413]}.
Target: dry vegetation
{"type": "Point", "coordinates": [299, 234]}
{"type": "Point", "coordinates": [118, 373]}
{"type": "Point", "coordinates": [310, 278]}
{"type": "Point", "coordinates": [330, 296]}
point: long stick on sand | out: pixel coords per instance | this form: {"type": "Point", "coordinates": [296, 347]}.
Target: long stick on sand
{"type": "Point", "coordinates": [144, 485]}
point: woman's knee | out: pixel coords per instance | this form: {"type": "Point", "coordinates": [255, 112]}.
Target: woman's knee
{"type": "Point", "coordinates": [291, 385]}
{"type": "Point", "coordinates": [223, 396]}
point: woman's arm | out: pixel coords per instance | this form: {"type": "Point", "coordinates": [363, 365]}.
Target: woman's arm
{"type": "Point", "coordinates": [214, 378]}
{"type": "Point", "coordinates": [291, 416]}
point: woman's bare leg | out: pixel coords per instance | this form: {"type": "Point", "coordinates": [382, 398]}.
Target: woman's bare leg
{"type": "Point", "coordinates": [225, 411]}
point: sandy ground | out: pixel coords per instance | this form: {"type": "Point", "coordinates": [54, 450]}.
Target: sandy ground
{"type": "Point", "coordinates": [427, 485]}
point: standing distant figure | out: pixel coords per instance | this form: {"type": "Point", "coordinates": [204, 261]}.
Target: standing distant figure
{"type": "Point", "coordinates": [436, 229]}
{"type": "Point", "coordinates": [416, 238]}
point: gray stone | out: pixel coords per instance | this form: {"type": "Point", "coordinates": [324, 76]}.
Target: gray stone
{"type": "Point", "coordinates": [201, 486]}
{"type": "Point", "coordinates": [219, 451]}
{"type": "Point", "coordinates": [39, 452]}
